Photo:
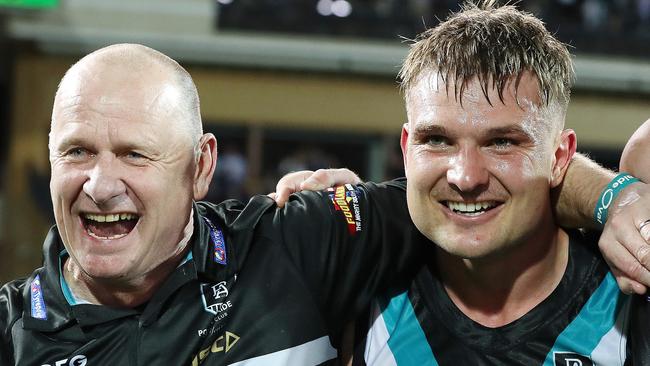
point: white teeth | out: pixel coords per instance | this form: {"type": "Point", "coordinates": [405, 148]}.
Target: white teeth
{"type": "Point", "coordinates": [109, 237]}
{"type": "Point", "coordinates": [470, 208]}
{"type": "Point", "coordinates": [110, 217]}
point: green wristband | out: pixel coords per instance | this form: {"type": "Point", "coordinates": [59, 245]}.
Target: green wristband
{"type": "Point", "coordinates": [610, 192]}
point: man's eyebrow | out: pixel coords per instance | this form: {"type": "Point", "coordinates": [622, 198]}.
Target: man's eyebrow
{"type": "Point", "coordinates": [430, 129]}
{"type": "Point", "coordinates": [67, 141]}
{"type": "Point", "coordinates": [508, 131]}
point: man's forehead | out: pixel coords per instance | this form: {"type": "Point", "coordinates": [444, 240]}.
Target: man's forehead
{"type": "Point", "coordinates": [433, 104]}
{"type": "Point", "coordinates": [117, 92]}
{"type": "Point", "coordinates": [520, 89]}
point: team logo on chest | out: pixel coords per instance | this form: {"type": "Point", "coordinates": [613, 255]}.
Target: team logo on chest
{"type": "Point", "coordinates": [214, 297]}
{"type": "Point", "coordinates": [571, 359]}
{"type": "Point", "coordinates": [215, 301]}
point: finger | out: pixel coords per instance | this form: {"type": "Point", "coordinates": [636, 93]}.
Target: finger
{"type": "Point", "coordinates": [639, 289]}
{"type": "Point", "coordinates": [325, 178]}
{"type": "Point", "coordinates": [645, 233]}
{"type": "Point", "coordinates": [619, 256]}
{"type": "Point", "coordinates": [288, 184]}
{"type": "Point", "coordinates": [634, 242]}
{"type": "Point", "coordinates": [628, 285]}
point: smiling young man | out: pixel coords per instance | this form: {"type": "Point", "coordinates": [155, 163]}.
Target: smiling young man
{"type": "Point", "coordinates": [486, 96]}
{"type": "Point", "coordinates": [479, 180]}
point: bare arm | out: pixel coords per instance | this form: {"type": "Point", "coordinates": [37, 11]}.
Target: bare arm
{"type": "Point", "coordinates": [623, 245]}
{"type": "Point", "coordinates": [575, 200]}
{"type": "Point", "coordinates": [630, 257]}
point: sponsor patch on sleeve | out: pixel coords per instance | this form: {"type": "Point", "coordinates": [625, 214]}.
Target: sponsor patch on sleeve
{"type": "Point", "coordinates": [345, 201]}
{"type": "Point", "coordinates": [38, 303]}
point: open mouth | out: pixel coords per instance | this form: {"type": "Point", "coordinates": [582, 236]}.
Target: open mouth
{"type": "Point", "coordinates": [110, 226]}
{"type": "Point", "coordinates": [471, 208]}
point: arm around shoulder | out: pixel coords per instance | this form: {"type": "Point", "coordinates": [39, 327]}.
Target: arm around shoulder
{"type": "Point", "coordinates": [575, 199]}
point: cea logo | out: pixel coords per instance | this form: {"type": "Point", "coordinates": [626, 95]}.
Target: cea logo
{"type": "Point", "coordinates": [79, 360]}
{"type": "Point", "coordinates": [572, 359]}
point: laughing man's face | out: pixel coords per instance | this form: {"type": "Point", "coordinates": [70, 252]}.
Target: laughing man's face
{"type": "Point", "coordinates": [122, 171]}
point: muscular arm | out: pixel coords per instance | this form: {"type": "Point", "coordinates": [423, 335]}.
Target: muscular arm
{"type": "Point", "coordinates": [623, 245]}
{"type": "Point", "coordinates": [630, 256]}
{"type": "Point", "coordinates": [575, 200]}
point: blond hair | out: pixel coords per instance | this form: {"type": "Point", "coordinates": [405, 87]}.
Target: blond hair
{"type": "Point", "coordinates": [495, 44]}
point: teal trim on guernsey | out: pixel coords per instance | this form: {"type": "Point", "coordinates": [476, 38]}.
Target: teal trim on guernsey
{"type": "Point", "coordinates": [596, 318]}
{"type": "Point", "coordinates": [406, 339]}
{"type": "Point", "coordinates": [188, 258]}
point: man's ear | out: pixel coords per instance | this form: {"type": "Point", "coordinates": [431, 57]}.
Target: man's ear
{"type": "Point", "coordinates": [403, 143]}
{"type": "Point", "coordinates": [205, 166]}
{"type": "Point", "coordinates": [563, 155]}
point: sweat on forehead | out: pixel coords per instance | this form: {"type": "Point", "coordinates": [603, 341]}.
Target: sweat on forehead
{"type": "Point", "coordinates": [431, 93]}
{"type": "Point", "coordinates": [523, 90]}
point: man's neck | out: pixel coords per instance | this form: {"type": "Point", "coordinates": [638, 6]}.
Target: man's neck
{"type": "Point", "coordinates": [129, 293]}
{"type": "Point", "coordinates": [498, 290]}
{"type": "Point", "coordinates": [118, 293]}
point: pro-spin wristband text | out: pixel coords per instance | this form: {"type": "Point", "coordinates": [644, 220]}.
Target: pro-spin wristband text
{"type": "Point", "coordinates": [609, 193]}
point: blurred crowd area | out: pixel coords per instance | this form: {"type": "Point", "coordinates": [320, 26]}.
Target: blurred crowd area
{"type": "Point", "coordinates": [234, 176]}
{"type": "Point", "coordinates": [230, 178]}
{"type": "Point", "coordinates": [619, 27]}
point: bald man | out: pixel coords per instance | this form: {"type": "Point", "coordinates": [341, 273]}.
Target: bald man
{"type": "Point", "coordinates": [138, 272]}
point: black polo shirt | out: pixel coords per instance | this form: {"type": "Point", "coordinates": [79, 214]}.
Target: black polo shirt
{"type": "Point", "coordinates": [262, 285]}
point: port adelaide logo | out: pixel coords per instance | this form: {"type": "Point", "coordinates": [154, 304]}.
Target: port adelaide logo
{"type": "Point", "coordinates": [214, 297]}
{"type": "Point", "coordinates": [345, 200]}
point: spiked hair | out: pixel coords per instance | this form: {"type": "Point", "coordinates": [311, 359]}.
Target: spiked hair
{"type": "Point", "coordinates": [496, 45]}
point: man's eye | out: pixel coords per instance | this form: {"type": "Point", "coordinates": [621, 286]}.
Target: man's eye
{"type": "Point", "coordinates": [134, 155]}
{"type": "Point", "coordinates": [437, 140]}
{"type": "Point", "coordinates": [502, 142]}
{"type": "Point", "coordinates": [76, 153]}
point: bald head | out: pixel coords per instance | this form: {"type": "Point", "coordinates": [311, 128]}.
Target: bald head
{"type": "Point", "coordinates": [126, 139]}
{"type": "Point", "coordinates": [133, 71]}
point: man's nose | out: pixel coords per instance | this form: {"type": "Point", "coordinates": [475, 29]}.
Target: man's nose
{"type": "Point", "coordinates": [104, 181]}
{"type": "Point", "coordinates": [467, 170]}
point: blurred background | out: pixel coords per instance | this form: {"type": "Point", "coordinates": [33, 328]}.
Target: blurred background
{"type": "Point", "coordinates": [284, 84]}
